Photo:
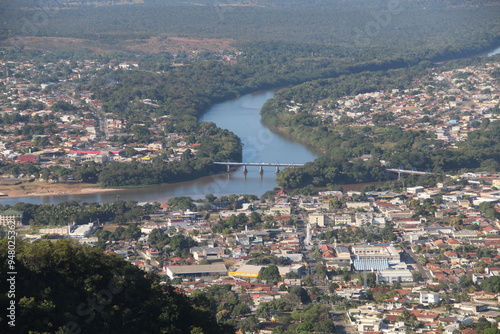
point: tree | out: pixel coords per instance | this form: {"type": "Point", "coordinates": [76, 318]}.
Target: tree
{"type": "Point", "coordinates": [417, 276]}
{"type": "Point", "coordinates": [332, 287]}
{"type": "Point", "coordinates": [187, 155]}
{"type": "Point", "coordinates": [305, 327]}
{"type": "Point", "coordinates": [278, 330]}
{"type": "Point", "coordinates": [321, 271]}
{"type": "Point", "coordinates": [491, 331]}
{"type": "Point", "coordinates": [158, 238]}
{"type": "Point", "coordinates": [491, 284]}
{"type": "Point", "coordinates": [249, 324]}
{"type": "Point", "coordinates": [210, 198]}
{"type": "Point", "coordinates": [117, 296]}
{"type": "Point", "coordinates": [269, 273]}
{"type": "Point", "coordinates": [130, 152]}
{"type": "Point", "coordinates": [301, 293]}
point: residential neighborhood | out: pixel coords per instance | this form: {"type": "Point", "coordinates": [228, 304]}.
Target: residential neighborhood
{"type": "Point", "coordinates": [449, 104]}
{"type": "Point", "coordinates": [385, 260]}
{"type": "Point", "coordinates": [49, 121]}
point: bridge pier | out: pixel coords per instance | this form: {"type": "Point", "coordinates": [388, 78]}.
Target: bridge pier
{"type": "Point", "coordinates": [228, 169]}
{"type": "Point", "coordinates": [277, 169]}
{"type": "Point", "coordinates": [245, 169]}
{"type": "Point", "coordinates": [261, 170]}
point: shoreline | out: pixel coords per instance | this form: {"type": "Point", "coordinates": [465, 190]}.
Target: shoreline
{"type": "Point", "coordinates": [37, 188]}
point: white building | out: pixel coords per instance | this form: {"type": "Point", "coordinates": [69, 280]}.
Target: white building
{"type": "Point", "coordinates": [81, 231]}
{"type": "Point", "coordinates": [391, 276]}
{"type": "Point", "coordinates": [56, 230]}
{"type": "Point", "coordinates": [388, 252]}
{"type": "Point", "coordinates": [9, 217]}
{"type": "Point", "coordinates": [429, 297]}
{"type": "Point", "coordinates": [317, 219]}
{"type": "Point", "coordinates": [345, 219]}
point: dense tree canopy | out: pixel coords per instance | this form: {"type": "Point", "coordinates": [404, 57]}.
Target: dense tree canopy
{"type": "Point", "coordinates": [62, 286]}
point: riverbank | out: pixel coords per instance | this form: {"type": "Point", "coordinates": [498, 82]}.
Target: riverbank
{"type": "Point", "coordinates": [282, 132]}
{"type": "Point", "coordinates": [38, 188]}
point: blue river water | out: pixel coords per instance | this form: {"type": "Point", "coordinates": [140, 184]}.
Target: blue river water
{"type": "Point", "coordinates": [241, 116]}
{"type": "Point", "coordinates": [260, 144]}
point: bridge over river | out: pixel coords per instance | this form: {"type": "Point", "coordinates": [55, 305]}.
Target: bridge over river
{"type": "Point", "coordinates": [261, 166]}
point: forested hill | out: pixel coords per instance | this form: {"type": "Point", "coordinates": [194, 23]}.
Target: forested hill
{"type": "Point", "coordinates": [66, 288]}
{"type": "Point", "coordinates": [396, 27]}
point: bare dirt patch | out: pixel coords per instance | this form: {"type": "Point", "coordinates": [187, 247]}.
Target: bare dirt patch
{"type": "Point", "coordinates": [175, 44]}
{"type": "Point", "coordinates": [151, 45]}
{"type": "Point", "coordinates": [38, 188]}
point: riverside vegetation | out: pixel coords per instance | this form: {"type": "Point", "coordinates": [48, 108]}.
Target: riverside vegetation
{"type": "Point", "coordinates": [272, 52]}
{"type": "Point", "coordinates": [267, 60]}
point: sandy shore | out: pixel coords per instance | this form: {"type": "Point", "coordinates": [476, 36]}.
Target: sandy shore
{"type": "Point", "coordinates": [37, 188]}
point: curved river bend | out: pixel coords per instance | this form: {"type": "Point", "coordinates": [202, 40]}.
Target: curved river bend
{"type": "Point", "coordinates": [241, 116]}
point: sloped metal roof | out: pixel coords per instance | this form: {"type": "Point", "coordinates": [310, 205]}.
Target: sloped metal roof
{"type": "Point", "coordinates": [371, 264]}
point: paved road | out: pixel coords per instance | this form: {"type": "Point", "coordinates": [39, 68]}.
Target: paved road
{"type": "Point", "coordinates": [340, 325]}
{"type": "Point", "coordinates": [425, 274]}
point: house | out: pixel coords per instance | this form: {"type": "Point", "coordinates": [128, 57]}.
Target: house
{"type": "Point", "coordinates": [29, 158]}
{"type": "Point", "coordinates": [369, 324]}
{"type": "Point", "coordinates": [429, 297]}
{"type": "Point", "coordinates": [282, 209]}
{"type": "Point", "coordinates": [208, 253]}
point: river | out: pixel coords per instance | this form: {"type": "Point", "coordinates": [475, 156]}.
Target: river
{"type": "Point", "coordinates": [494, 52]}
{"type": "Point", "coordinates": [241, 116]}
{"type": "Point", "coordinates": [260, 144]}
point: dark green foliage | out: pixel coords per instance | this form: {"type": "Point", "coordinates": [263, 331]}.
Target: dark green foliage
{"type": "Point", "coordinates": [224, 302]}
{"type": "Point", "coordinates": [270, 273]}
{"type": "Point", "coordinates": [436, 27]}
{"type": "Point", "coordinates": [181, 203]}
{"type": "Point", "coordinates": [158, 238]}
{"type": "Point", "coordinates": [234, 222]}
{"type": "Point", "coordinates": [62, 285]}
{"type": "Point", "coordinates": [62, 106]}
{"type": "Point", "coordinates": [343, 144]}
{"type": "Point", "coordinates": [315, 319]}
{"type": "Point", "coordinates": [358, 234]}
{"type": "Point", "coordinates": [301, 293]}
{"type": "Point", "coordinates": [68, 212]}
{"type": "Point", "coordinates": [491, 284]}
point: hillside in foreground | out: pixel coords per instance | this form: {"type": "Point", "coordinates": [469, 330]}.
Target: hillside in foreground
{"type": "Point", "coordinates": [62, 287]}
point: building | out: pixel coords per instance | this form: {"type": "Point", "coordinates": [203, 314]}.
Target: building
{"type": "Point", "coordinates": [56, 230]}
{"type": "Point", "coordinates": [282, 209]}
{"type": "Point", "coordinates": [363, 218]}
{"type": "Point", "coordinates": [342, 257]}
{"type": "Point", "coordinates": [369, 324]}
{"type": "Point", "coordinates": [345, 219]}
{"type": "Point", "coordinates": [394, 275]}
{"type": "Point", "coordinates": [29, 159]}
{"type": "Point", "coordinates": [370, 264]}
{"type": "Point", "coordinates": [317, 219]}
{"type": "Point", "coordinates": [208, 253]}
{"type": "Point", "coordinates": [429, 297]}
{"type": "Point", "coordinates": [81, 231]}
{"type": "Point", "coordinates": [8, 217]}
{"type": "Point", "coordinates": [388, 252]}
{"type": "Point", "coordinates": [196, 270]}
